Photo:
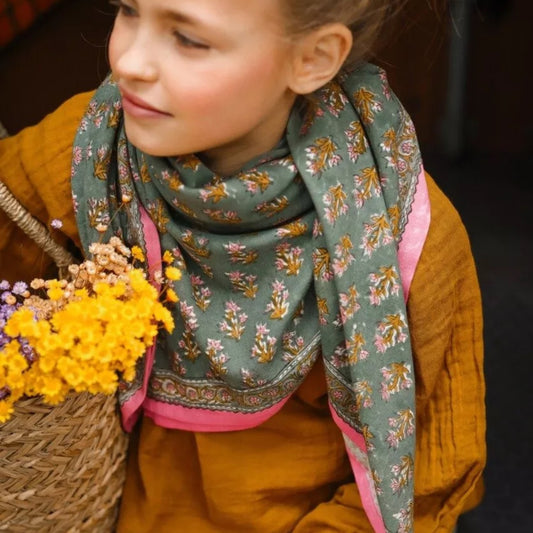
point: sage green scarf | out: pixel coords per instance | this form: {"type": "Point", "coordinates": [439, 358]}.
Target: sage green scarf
{"type": "Point", "coordinates": [292, 258]}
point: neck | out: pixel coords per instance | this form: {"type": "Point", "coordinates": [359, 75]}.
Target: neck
{"type": "Point", "coordinates": [229, 158]}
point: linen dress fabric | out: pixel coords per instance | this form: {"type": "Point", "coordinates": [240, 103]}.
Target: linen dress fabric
{"type": "Point", "coordinates": [290, 473]}
{"type": "Point", "coordinates": [294, 256]}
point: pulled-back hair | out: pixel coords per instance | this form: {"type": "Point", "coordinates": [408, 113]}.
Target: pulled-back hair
{"type": "Point", "coordinates": [363, 17]}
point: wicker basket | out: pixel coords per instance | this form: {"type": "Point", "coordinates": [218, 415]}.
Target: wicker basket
{"type": "Point", "coordinates": [62, 468]}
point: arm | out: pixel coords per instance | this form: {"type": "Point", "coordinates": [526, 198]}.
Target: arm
{"type": "Point", "coordinates": [35, 166]}
{"type": "Point", "coordinates": [444, 310]}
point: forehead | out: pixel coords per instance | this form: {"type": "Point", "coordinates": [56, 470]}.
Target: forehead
{"type": "Point", "coordinates": [233, 15]}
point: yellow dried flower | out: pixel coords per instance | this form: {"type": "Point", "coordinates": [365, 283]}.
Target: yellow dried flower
{"type": "Point", "coordinates": [6, 410]}
{"type": "Point", "coordinates": [168, 257]}
{"type": "Point", "coordinates": [173, 273]}
{"type": "Point", "coordinates": [137, 253]}
{"type": "Point", "coordinates": [171, 296]}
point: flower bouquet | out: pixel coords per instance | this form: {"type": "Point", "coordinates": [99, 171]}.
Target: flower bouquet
{"type": "Point", "coordinates": [65, 346]}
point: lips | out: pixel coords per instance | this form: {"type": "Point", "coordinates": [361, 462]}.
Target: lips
{"type": "Point", "coordinates": [138, 107]}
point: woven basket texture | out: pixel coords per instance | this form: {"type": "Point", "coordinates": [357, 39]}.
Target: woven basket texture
{"type": "Point", "coordinates": [62, 468]}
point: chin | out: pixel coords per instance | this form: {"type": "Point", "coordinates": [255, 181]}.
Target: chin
{"type": "Point", "coordinates": [147, 146]}
{"type": "Point", "coordinates": [153, 147]}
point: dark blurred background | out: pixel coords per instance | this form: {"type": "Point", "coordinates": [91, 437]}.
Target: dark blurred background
{"type": "Point", "coordinates": [464, 72]}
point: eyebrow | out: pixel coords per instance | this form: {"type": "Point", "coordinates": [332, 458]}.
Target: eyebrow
{"type": "Point", "coordinates": [178, 16]}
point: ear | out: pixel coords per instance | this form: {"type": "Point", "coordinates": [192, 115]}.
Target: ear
{"type": "Point", "coordinates": [318, 57]}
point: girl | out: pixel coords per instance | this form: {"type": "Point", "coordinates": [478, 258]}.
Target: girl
{"type": "Point", "coordinates": [325, 272]}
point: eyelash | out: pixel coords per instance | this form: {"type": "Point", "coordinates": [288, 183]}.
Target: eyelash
{"type": "Point", "coordinates": [186, 42]}
{"type": "Point", "coordinates": [123, 8]}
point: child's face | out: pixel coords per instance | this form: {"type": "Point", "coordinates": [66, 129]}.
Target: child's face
{"type": "Point", "coordinates": [204, 76]}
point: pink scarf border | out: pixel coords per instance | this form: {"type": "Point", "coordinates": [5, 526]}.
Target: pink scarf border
{"type": "Point", "coordinates": [415, 234]}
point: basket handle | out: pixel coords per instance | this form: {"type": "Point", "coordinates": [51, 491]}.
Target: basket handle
{"type": "Point", "coordinates": [30, 225]}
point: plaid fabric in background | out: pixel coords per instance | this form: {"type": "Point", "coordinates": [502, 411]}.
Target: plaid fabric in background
{"type": "Point", "coordinates": [18, 15]}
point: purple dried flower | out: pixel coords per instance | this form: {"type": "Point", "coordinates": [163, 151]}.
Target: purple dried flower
{"type": "Point", "coordinates": [4, 285]}
{"type": "Point", "coordinates": [27, 351]}
{"type": "Point", "coordinates": [6, 310]}
{"type": "Point", "coordinates": [4, 339]}
{"type": "Point", "coordinates": [20, 288]}
{"type": "Point", "coordinates": [7, 297]}
{"type": "Point", "coordinates": [56, 223]}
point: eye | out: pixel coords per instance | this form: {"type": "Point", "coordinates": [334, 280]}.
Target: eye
{"type": "Point", "coordinates": [123, 9]}
{"type": "Point", "coordinates": [187, 42]}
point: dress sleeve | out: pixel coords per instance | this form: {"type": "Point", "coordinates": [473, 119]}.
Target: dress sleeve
{"type": "Point", "coordinates": [445, 320]}
{"type": "Point", "coordinates": [35, 167]}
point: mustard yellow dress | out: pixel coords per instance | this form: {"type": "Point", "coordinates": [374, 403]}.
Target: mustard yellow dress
{"type": "Point", "coordinates": [291, 473]}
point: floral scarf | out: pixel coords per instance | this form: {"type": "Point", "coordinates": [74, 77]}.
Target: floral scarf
{"type": "Point", "coordinates": [294, 257]}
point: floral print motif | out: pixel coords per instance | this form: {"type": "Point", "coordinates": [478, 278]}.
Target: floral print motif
{"type": "Point", "coordinates": [273, 207]}
{"type": "Point", "coordinates": [256, 181]}
{"type": "Point", "coordinates": [250, 380]}
{"type": "Point", "coordinates": [217, 358]}
{"type": "Point", "coordinates": [289, 258]}
{"type": "Point", "coordinates": [220, 215]}
{"type": "Point", "coordinates": [403, 473]}
{"type": "Point", "coordinates": [189, 161]}
{"type": "Point", "coordinates": [246, 284]}
{"type": "Point", "coordinates": [264, 345]}
{"type": "Point", "coordinates": [390, 331]}
{"type": "Point", "coordinates": [201, 293]}
{"type": "Point", "coordinates": [335, 203]}
{"type": "Point", "coordinates": [239, 253]}
{"type": "Point", "coordinates": [334, 98]}
{"type": "Point", "coordinates": [103, 158]}
{"type": "Point", "coordinates": [278, 306]}
{"type": "Point", "coordinates": [377, 233]}
{"type": "Point", "coordinates": [355, 347]}
{"type": "Point", "coordinates": [397, 378]}
{"type": "Point", "coordinates": [367, 184]}
{"type": "Point", "coordinates": [159, 215]}
{"type": "Point", "coordinates": [384, 283]}
{"type": "Point", "coordinates": [294, 229]}
{"type": "Point", "coordinates": [363, 394]}
{"type": "Point", "coordinates": [343, 255]}
{"type": "Point", "coordinates": [292, 345]}
{"type": "Point", "coordinates": [172, 179]}
{"type": "Point", "coordinates": [322, 155]}
{"type": "Point", "coordinates": [348, 303]}
{"type": "Point", "coordinates": [322, 264]}
{"type": "Point", "coordinates": [97, 212]}
{"type": "Point", "coordinates": [403, 425]}
{"type": "Point", "coordinates": [215, 192]}
{"type": "Point", "coordinates": [368, 104]}
{"type": "Point", "coordinates": [357, 143]}
{"type": "Point", "coordinates": [234, 321]}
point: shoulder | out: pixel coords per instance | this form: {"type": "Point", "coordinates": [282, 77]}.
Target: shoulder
{"type": "Point", "coordinates": [35, 167]}
{"type": "Point", "coordinates": [447, 254]}
{"type": "Point", "coordinates": [444, 292]}
{"type": "Point", "coordinates": [47, 144]}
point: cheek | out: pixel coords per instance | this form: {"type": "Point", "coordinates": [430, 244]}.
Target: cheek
{"type": "Point", "coordinates": [119, 42]}
{"type": "Point", "coordinates": [231, 90]}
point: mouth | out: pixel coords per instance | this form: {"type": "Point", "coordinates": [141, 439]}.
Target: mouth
{"type": "Point", "coordinates": [137, 107]}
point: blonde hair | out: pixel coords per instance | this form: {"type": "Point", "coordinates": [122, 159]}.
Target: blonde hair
{"type": "Point", "coordinates": [364, 18]}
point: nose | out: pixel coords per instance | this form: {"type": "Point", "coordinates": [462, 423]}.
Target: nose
{"type": "Point", "coordinates": [132, 57]}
